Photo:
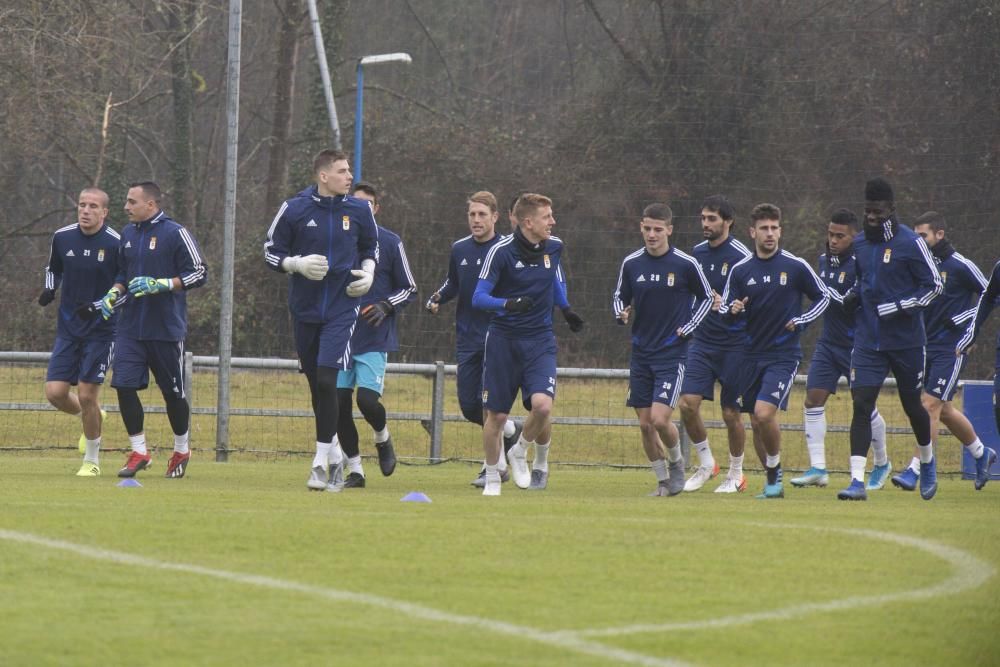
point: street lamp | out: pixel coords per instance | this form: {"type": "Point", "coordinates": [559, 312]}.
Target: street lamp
{"type": "Point", "coordinates": [358, 117]}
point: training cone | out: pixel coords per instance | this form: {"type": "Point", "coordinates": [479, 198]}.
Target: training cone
{"type": "Point", "coordinates": [135, 482]}
{"type": "Point", "coordinates": [415, 497]}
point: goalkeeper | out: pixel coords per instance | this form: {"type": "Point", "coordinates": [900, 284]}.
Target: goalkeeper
{"type": "Point", "coordinates": [328, 242]}
{"type": "Point", "coordinates": [520, 282]}
{"type": "Point", "coordinates": [374, 337]}
{"type": "Point", "coordinates": [83, 262]}
{"type": "Point", "coordinates": [158, 261]}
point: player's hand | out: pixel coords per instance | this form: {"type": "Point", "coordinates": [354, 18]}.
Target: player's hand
{"type": "Point", "coordinates": [521, 304]}
{"type": "Point", "coordinates": [365, 277]}
{"type": "Point", "coordinates": [87, 311]}
{"type": "Point", "coordinates": [432, 304]}
{"type": "Point", "coordinates": [623, 317]}
{"type": "Point", "coordinates": [851, 302]}
{"type": "Point", "coordinates": [375, 313]}
{"type": "Point", "coordinates": [108, 302]}
{"type": "Point", "coordinates": [791, 325]}
{"type": "Point", "coordinates": [716, 301]}
{"type": "Point", "coordinates": [966, 350]}
{"type": "Point", "coordinates": [46, 297]}
{"type": "Point", "coordinates": [738, 305]}
{"type": "Point", "coordinates": [145, 286]}
{"type": "Point", "coordinates": [574, 321]}
{"type": "Point", "coordinates": [312, 267]}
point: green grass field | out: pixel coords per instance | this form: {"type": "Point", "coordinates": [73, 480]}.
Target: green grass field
{"type": "Point", "coordinates": [239, 564]}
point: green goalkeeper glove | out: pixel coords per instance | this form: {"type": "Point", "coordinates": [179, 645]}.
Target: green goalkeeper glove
{"type": "Point", "coordinates": [108, 303]}
{"type": "Point", "coordinates": [144, 285]}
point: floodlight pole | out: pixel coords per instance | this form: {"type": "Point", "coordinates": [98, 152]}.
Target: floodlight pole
{"type": "Point", "coordinates": [324, 73]}
{"type": "Point", "coordinates": [359, 99]}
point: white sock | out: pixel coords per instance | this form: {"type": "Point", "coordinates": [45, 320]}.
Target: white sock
{"type": "Point", "coordinates": [674, 454]}
{"type": "Point", "coordinates": [508, 428]}
{"type": "Point", "coordinates": [322, 457]}
{"type": "Point", "coordinates": [382, 436]}
{"type": "Point", "coordinates": [858, 468]}
{"type": "Point", "coordinates": [93, 450]}
{"type": "Point", "coordinates": [915, 465]}
{"type": "Point", "coordinates": [138, 443]}
{"type": "Point", "coordinates": [520, 448]}
{"type": "Point", "coordinates": [878, 439]}
{"type": "Point", "coordinates": [354, 465]}
{"type": "Point", "coordinates": [773, 461]}
{"type": "Point", "coordinates": [926, 452]}
{"type": "Point", "coordinates": [502, 461]}
{"type": "Point", "coordinates": [735, 467]}
{"type": "Point", "coordinates": [815, 425]}
{"type": "Point", "coordinates": [705, 458]}
{"type": "Point", "coordinates": [659, 467]}
{"type": "Point", "coordinates": [181, 443]}
{"type": "Point", "coordinates": [815, 421]}
{"type": "Point", "coordinates": [336, 454]}
{"type": "Point", "coordinates": [492, 474]}
{"type": "Point", "coordinates": [541, 461]}
{"type": "Point", "coordinates": [976, 448]}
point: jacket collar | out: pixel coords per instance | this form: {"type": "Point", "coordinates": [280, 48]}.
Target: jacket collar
{"type": "Point", "coordinates": [160, 215]}
{"type": "Point", "coordinates": [321, 201]}
{"type": "Point", "coordinates": [884, 232]}
{"type": "Point", "coordinates": [836, 260]}
{"type": "Point", "coordinates": [942, 250]}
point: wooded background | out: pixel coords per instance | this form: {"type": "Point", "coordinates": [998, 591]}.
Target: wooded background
{"type": "Point", "coordinates": [605, 105]}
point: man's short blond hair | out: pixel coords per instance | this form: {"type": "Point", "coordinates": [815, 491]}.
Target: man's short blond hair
{"type": "Point", "coordinates": [484, 197]}
{"type": "Point", "coordinates": [528, 203]}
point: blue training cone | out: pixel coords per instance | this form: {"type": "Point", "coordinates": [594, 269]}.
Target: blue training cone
{"type": "Point", "coordinates": [135, 483]}
{"type": "Point", "coordinates": [415, 497]}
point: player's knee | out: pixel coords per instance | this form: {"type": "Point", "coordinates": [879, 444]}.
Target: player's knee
{"type": "Point", "coordinates": [689, 405]}
{"type": "Point", "coordinates": [931, 404]}
{"type": "Point", "coordinates": [863, 401]}
{"type": "Point", "coordinates": [326, 380]}
{"type": "Point", "coordinates": [731, 416]}
{"type": "Point", "coordinates": [88, 400]}
{"type": "Point", "coordinates": [473, 412]}
{"type": "Point", "coordinates": [368, 401]}
{"type": "Point", "coordinates": [912, 403]}
{"type": "Point", "coordinates": [56, 392]}
{"type": "Point", "coordinates": [541, 407]}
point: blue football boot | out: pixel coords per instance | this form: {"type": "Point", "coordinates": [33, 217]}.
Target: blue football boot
{"type": "Point", "coordinates": [906, 480]}
{"type": "Point", "coordinates": [928, 479]}
{"type": "Point", "coordinates": [983, 464]}
{"type": "Point", "coordinates": [878, 476]}
{"type": "Point", "coordinates": [856, 491]}
{"type": "Point", "coordinates": [812, 477]}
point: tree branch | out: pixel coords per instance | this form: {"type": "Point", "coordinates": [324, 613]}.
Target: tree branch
{"type": "Point", "coordinates": [630, 58]}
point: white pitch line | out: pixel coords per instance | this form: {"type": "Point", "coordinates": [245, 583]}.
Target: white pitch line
{"type": "Point", "coordinates": [970, 572]}
{"type": "Point", "coordinates": [412, 610]}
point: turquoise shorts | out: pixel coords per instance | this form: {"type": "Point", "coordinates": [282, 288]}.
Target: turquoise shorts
{"type": "Point", "coordinates": [366, 370]}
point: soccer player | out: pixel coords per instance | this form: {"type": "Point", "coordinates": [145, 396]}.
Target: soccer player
{"type": "Point", "coordinates": [464, 265]}
{"type": "Point", "coordinates": [946, 320]}
{"type": "Point", "coordinates": [832, 356]}
{"type": "Point", "coordinates": [328, 242]}
{"type": "Point", "coordinates": [715, 353]}
{"type": "Point", "coordinates": [374, 337]}
{"type": "Point", "coordinates": [520, 282]}
{"type": "Point", "coordinates": [83, 261]}
{"type": "Point", "coordinates": [663, 293]}
{"type": "Point", "coordinates": [159, 262]}
{"type": "Point", "coordinates": [987, 301]}
{"type": "Point", "coordinates": [896, 280]}
{"type": "Point", "coordinates": [766, 289]}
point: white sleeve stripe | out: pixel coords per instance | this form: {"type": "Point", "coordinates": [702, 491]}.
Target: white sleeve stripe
{"type": "Point", "coordinates": [617, 304]}
{"type": "Point", "coordinates": [270, 258]}
{"type": "Point", "coordinates": [974, 270]}
{"type": "Point", "coordinates": [191, 247]}
{"type": "Point", "coordinates": [402, 295]}
{"type": "Point", "coordinates": [489, 256]}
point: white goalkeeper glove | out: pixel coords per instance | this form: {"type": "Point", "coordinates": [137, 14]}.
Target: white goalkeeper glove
{"type": "Point", "coordinates": [313, 267]}
{"type": "Point", "coordinates": [365, 278]}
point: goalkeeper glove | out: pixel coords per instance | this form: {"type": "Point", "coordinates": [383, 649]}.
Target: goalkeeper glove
{"type": "Point", "coordinates": [46, 297]}
{"type": "Point", "coordinates": [521, 304]}
{"type": "Point", "coordinates": [144, 285]}
{"type": "Point", "coordinates": [108, 302]}
{"type": "Point", "coordinates": [313, 267]}
{"type": "Point", "coordinates": [574, 321]}
{"type": "Point", "coordinates": [376, 313]}
{"type": "Point", "coordinates": [365, 277]}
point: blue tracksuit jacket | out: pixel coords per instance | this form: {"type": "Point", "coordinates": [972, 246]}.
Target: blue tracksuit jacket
{"type": "Point", "coordinates": [85, 268]}
{"type": "Point", "coordinates": [393, 283]}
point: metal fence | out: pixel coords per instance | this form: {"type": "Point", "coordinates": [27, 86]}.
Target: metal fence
{"type": "Point", "coordinates": [432, 420]}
